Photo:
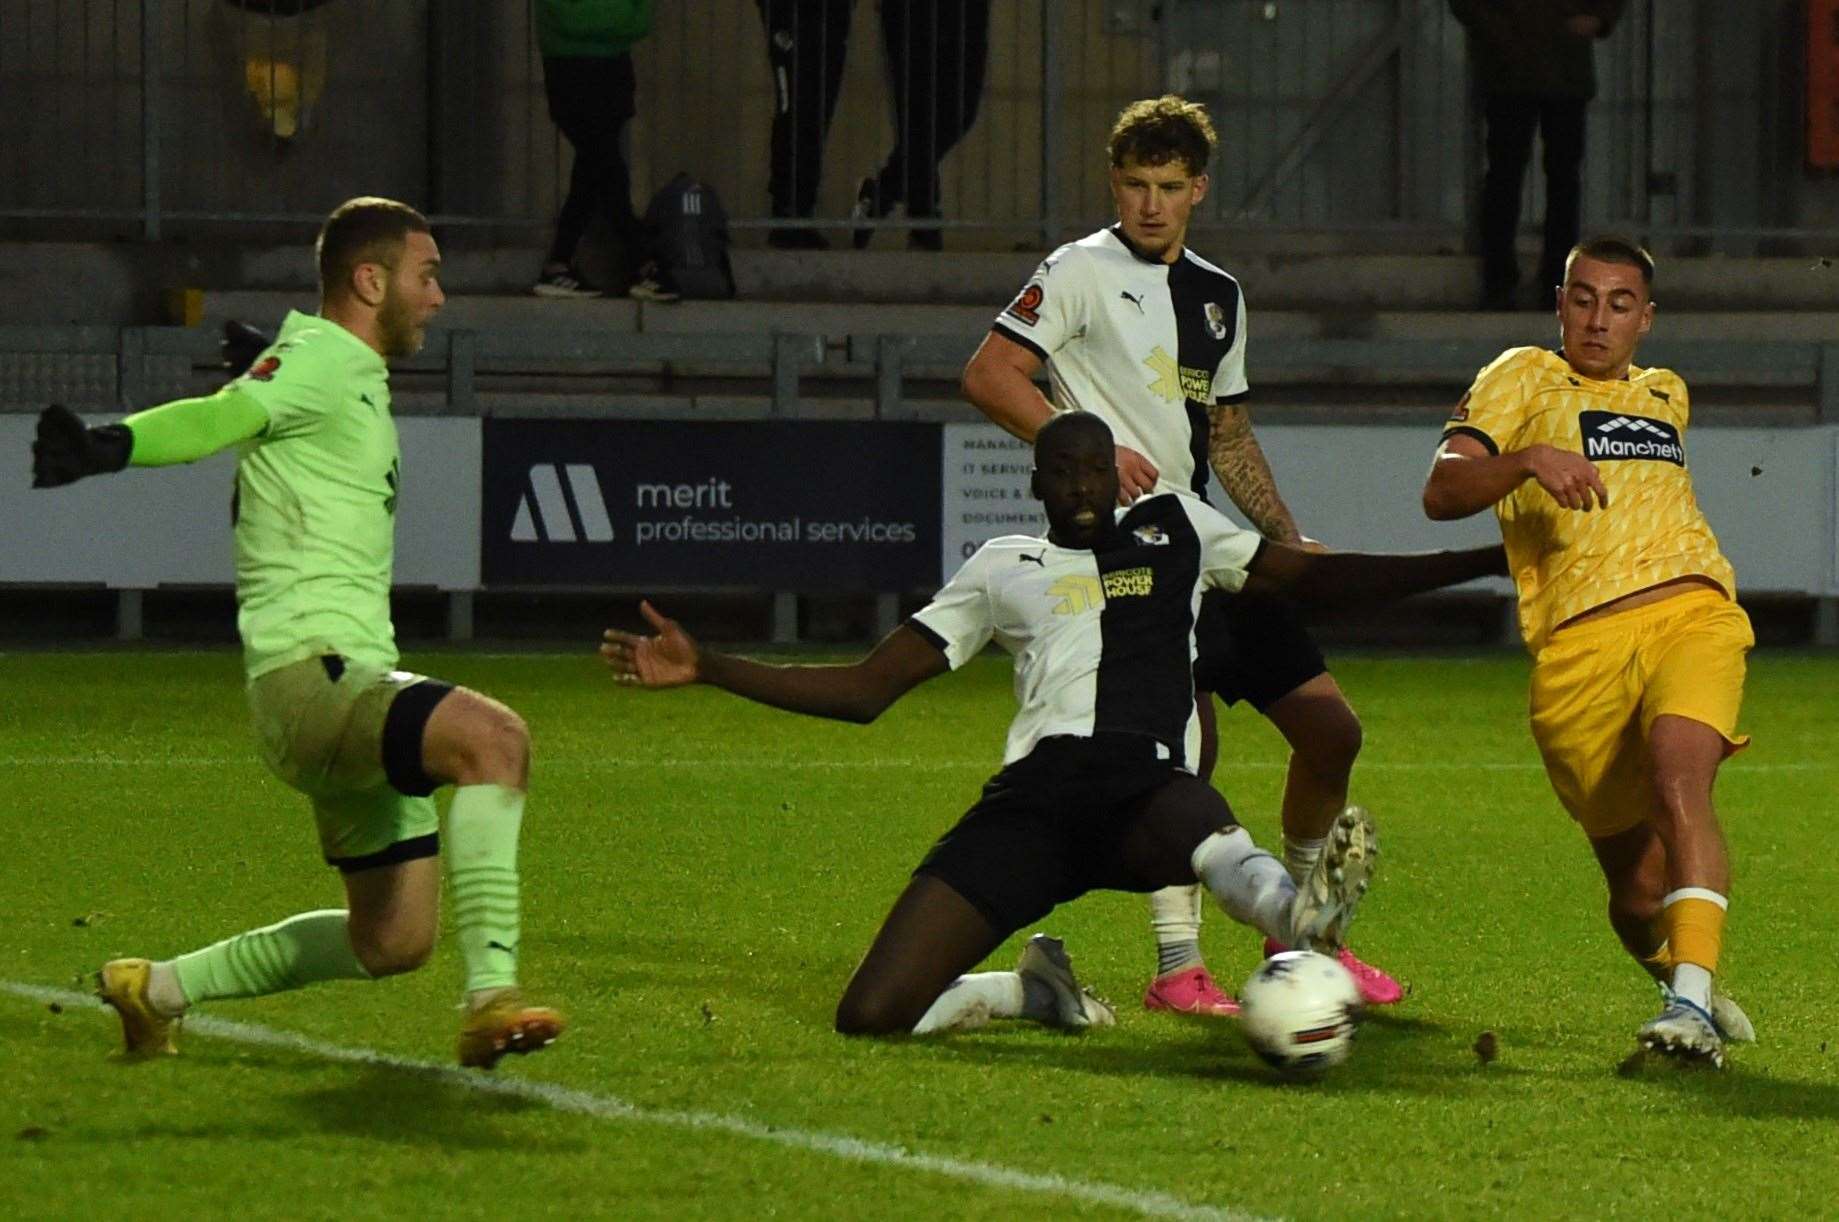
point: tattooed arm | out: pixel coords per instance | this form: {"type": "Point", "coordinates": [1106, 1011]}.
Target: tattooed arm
{"type": "Point", "coordinates": [1239, 464]}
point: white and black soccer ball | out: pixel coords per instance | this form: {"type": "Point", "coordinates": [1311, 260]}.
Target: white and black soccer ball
{"type": "Point", "coordinates": [1299, 1011]}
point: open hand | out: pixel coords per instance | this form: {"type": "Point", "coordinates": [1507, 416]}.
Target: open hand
{"type": "Point", "coordinates": [669, 659]}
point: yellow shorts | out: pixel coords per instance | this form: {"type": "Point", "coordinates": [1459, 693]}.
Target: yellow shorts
{"type": "Point", "coordinates": [1598, 686]}
{"type": "Point", "coordinates": [349, 738]}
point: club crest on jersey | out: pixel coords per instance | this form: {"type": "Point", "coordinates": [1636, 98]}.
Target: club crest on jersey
{"type": "Point", "coordinates": [1216, 320]}
{"type": "Point", "coordinates": [1027, 307]}
{"type": "Point", "coordinates": [1151, 536]}
{"type": "Point", "coordinates": [1610, 435]}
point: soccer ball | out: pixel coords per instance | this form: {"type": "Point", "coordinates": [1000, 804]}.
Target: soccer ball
{"type": "Point", "coordinates": [1298, 1012]}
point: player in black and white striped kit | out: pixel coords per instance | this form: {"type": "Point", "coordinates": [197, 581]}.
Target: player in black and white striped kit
{"type": "Point", "coordinates": [1097, 789]}
{"type": "Point", "coordinates": [1138, 329]}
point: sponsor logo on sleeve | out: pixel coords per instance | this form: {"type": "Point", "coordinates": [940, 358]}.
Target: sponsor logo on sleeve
{"type": "Point", "coordinates": [264, 369]}
{"type": "Point", "coordinates": [1216, 320]}
{"type": "Point", "coordinates": [1462, 410]}
{"type": "Point", "coordinates": [1027, 307]}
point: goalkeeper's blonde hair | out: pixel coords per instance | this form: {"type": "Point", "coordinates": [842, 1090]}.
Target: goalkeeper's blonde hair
{"type": "Point", "coordinates": [1155, 131]}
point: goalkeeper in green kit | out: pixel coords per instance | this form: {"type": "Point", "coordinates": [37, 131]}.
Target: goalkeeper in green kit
{"type": "Point", "coordinates": [316, 484]}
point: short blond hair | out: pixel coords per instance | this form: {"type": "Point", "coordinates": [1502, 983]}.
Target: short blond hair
{"type": "Point", "coordinates": [1155, 131]}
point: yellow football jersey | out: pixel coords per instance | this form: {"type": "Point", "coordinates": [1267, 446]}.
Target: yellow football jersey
{"type": "Point", "coordinates": [1566, 561]}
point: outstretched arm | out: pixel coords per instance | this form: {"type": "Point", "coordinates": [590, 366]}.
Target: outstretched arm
{"type": "Point", "coordinates": [857, 692]}
{"type": "Point", "coordinates": [1326, 578]}
{"type": "Point", "coordinates": [1466, 477]}
{"type": "Point", "coordinates": [183, 431]}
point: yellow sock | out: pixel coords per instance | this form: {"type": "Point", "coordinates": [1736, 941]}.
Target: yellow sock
{"type": "Point", "coordinates": [1694, 921]}
{"type": "Point", "coordinates": [1662, 958]}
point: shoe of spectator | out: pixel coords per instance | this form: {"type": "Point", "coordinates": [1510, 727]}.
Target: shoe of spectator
{"type": "Point", "coordinates": [650, 288]}
{"type": "Point", "coordinates": [787, 238]}
{"type": "Point", "coordinates": [561, 283]}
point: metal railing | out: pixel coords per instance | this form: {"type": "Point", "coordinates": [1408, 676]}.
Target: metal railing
{"type": "Point", "coordinates": [122, 368]}
{"type": "Point", "coordinates": [1338, 115]}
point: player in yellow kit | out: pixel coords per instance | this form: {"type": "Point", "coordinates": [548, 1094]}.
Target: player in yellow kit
{"type": "Point", "coordinates": [1630, 611]}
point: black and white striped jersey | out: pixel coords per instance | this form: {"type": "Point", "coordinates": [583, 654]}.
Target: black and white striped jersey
{"type": "Point", "coordinates": [1144, 345]}
{"type": "Point", "coordinates": [1103, 639]}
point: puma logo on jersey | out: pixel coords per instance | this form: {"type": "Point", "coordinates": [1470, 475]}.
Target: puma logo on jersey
{"type": "Point", "coordinates": [1040, 559]}
{"type": "Point", "coordinates": [1135, 299]}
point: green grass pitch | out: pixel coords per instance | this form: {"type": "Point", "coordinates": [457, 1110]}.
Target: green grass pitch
{"type": "Point", "coordinates": [700, 878]}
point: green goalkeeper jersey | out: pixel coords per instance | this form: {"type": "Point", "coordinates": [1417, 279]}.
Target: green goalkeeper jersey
{"type": "Point", "coordinates": [315, 506]}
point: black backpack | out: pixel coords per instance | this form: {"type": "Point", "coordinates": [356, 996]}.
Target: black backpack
{"type": "Point", "coordinates": [689, 230]}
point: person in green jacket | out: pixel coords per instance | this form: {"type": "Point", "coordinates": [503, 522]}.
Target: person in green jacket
{"type": "Point", "coordinates": [587, 75]}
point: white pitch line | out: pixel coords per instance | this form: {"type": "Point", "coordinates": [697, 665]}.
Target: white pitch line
{"type": "Point", "coordinates": [608, 1107]}
{"type": "Point", "coordinates": [865, 763]}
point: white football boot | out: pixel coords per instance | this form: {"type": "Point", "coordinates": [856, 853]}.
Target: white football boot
{"type": "Point", "coordinates": [1325, 901]}
{"type": "Point", "coordinates": [1075, 1008]}
{"type": "Point", "coordinates": [1683, 1032]}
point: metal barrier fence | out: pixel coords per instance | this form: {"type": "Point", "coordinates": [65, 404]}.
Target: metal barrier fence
{"type": "Point", "coordinates": [106, 367]}
{"type": "Point", "coordinates": [1334, 114]}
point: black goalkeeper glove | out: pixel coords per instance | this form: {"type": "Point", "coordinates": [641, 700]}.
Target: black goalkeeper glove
{"type": "Point", "coordinates": [65, 450]}
{"type": "Point", "coordinates": [241, 344]}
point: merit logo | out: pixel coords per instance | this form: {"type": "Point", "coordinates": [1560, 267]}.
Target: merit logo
{"type": "Point", "coordinates": [552, 512]}
{"type": "Point", "coordinates": [1610, 436]}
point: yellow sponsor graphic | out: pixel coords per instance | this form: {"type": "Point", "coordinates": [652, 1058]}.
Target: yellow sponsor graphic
{"type": "Point", "coordinates": [1077, 595]}
{"type": "Point", "coordinates": [1174, 380]}
{"type": "Point", "coordinates": [1129, 583]}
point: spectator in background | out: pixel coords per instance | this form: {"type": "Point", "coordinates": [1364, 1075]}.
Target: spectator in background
{"type": "Point", "coordinates": [937, 51]}
{"type": "Point", "coordinates": [806, 42]}
{"type": "Point", "coordinates": [1534, 62]}
{"type": "Point", "coordinates": [587, 74]}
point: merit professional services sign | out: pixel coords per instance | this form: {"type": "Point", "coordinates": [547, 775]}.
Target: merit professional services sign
{"type": "Point", "coordinates": [806, 506]}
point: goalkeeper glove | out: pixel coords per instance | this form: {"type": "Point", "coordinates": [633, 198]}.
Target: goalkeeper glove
{"type": "Point", "coordinates": [241, 344]}
{"type": "Point", "coordinates": [65, 450]}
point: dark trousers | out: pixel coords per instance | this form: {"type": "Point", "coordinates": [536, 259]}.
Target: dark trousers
{"type": "Point", "coordinates": [591, 99]}
{"type": "Point", "coordinates": [937, 53]}
{"type": "Point", "coordinates": [806, 43]}
{"type": "Point", "coordinates": [1511, 123]}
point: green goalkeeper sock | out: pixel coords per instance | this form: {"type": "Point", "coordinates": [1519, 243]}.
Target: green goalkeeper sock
{"type": "Point", "coordinates": [482, 867]}
{"type": "Point", "coordinates": [301, 950]}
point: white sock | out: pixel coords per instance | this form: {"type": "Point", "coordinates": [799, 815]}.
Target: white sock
{"type": "Point", "coordinates": [1693, 983]}
{"type": "Point", "coordinates": [164, 990]}
{"type": "Point", "coordinates": [1250, 884]}
{"type": "Point", "coordinates": [1174, 915]}
{"type": "Point", "coordinates": [970, 1000]}
{"type": "Point", "coordinates": [1300, 855]}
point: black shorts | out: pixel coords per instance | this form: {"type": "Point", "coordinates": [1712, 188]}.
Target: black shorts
{"type": "Point", "coordinates": [1048, 827]}
{"type": "Point", "coordinates": [1254, 648]}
